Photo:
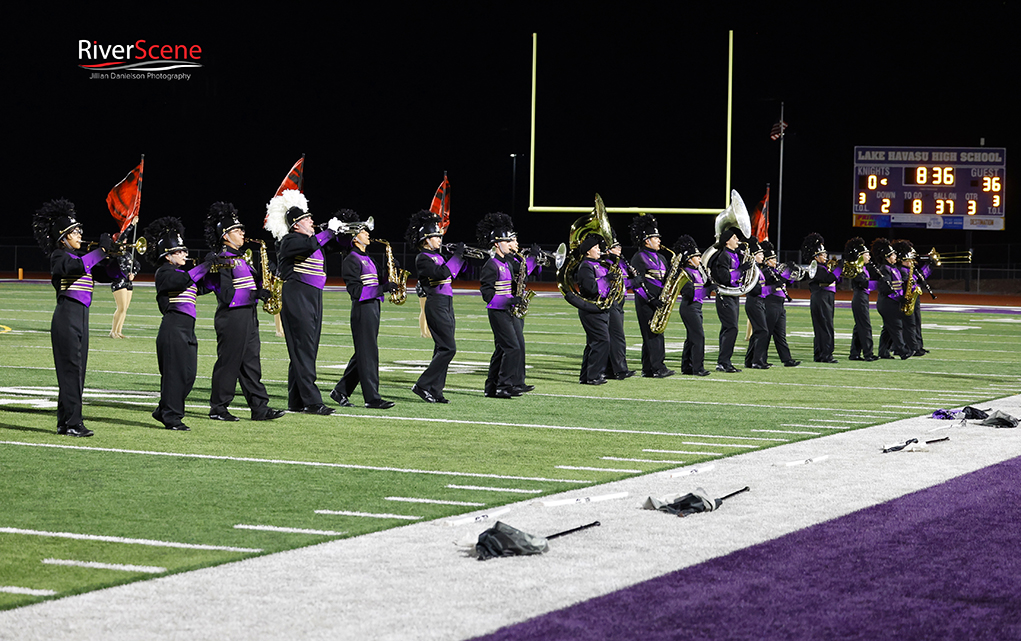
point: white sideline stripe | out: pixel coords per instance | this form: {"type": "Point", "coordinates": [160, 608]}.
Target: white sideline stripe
{"type": "Point", "coordinates": [410, 499]}
{"type": "Point", "coordinates": [494, 489]}
{"type": "Point", "coordinates": [597, 469]}
{"type": "Point", "coordinates": [685, 452]}
{"type": "Point", "coordinates": [369, 515]}
{"type": "Point", "coordinates": [640, 460]}
{"type": "Point", "coordinates": [286, 462]}
{"type": "Point", "coordinates": [912, 407]}
{"type": "Point", "coordinates": [830, 420]}
{"type": "Point", "coordinates": [12, 589]}
{"type": "Point", "coordinates": [758, 405]}
{"type": "Point", "coordinates": [819, 427]}
{"type": "Point", "coordinates": [883, 418]}
{"type": "Point", "coordinates": [750, 447]}
{"type": "Point", "coordinates": [120, 539]}
{"type": "Point", "coordinates": [288, 530]}
{"type": "Point", "coordinates": [787, 432]}
{"type": "Point", "coordinates": [151, 569]}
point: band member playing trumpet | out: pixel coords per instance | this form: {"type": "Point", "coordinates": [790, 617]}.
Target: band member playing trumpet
{"type": "Point", "coordinates": [73, 272]}
{"type": "Point", "coordinates": [755, 310]}
{"type": "Point", "coordinates": [888, 302]}
{"type": "Point", "coordinates": [777, 279]}
{"type": "Point", "coordinates": [693, 293]}
{"type": "Point", "coordinates": [177, 350]}
{"type": "Point", "coordinates": [507, 366]}
{"type": "Point", "coordinates": [361, 276]}
{"type": "Point", "coordinates": [823, 288]}
{"type": "Point", "coordinates": [302, 268]}
{"type": "Point", "coordinates": [435, 276]}
{"type": "Point", "coordinates": [862, 284]}
{"type": "Point", "coordinates": [728, 267]}
{"type": "Point", "coordinates": [651, 267]}
{"type": "Point", "coordinates": [238, 290]}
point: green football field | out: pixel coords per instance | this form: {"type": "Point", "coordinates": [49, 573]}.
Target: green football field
{"type": "Point", "coordinates": [136, 501]}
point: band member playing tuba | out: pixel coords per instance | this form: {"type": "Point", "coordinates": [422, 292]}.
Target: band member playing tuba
{"type": "Point", "coordinates": [888, 302]}
{"type": "Point", "coordinates": [238, 290]}
{"type": "Point", "coordinates": [727, 267]}
{"type": "Point", "coordinates": [777, 279]}
{"type": "Point", "coordinates": [73, 271]}
{"type": "Point", "coordinates": [858, 270]}
{"type": "Point", "coordinates": [651, 267]}
{"type": "Point", "coordinates": [693, 293]}
{"type": "Point", "coordinates": [823, 279]}
{"type": "Point", "coordinates": [302, 268]}
{"type": "Point", "coordinates": [361, 277]}
{"type": "Point", "coordinates": [435, 273]}
{"type": "Point", "coordinates": [177, 350]}
{"type": "Point", "coordinates": [507, 366]}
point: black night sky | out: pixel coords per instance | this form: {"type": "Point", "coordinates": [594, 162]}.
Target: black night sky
{"type": "Point", "coordinates": [631, 104]}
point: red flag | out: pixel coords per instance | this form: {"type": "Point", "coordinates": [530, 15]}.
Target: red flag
{"type": "Point", "coordinates": [125, 199]}
{"type": "Point", "coordinates": [295, 178]}
{"type": "Point", "coordinates": [760, 219]}
{"type": "Point", "coordinates": [441, 203]}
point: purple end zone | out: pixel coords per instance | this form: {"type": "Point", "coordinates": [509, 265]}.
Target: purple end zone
{"type": "Point", "coordinates": [942, 563]}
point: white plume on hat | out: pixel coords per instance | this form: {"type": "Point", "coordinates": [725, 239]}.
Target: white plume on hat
{"type": "Point", "coordinates": [276, 210]}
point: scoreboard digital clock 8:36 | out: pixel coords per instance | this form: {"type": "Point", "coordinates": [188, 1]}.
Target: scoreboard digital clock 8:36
{"type": "Point", "coordinates": [930, 187]}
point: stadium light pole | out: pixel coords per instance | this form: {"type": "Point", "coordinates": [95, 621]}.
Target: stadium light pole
{"type": "Point", "coordinates": [514, 179]}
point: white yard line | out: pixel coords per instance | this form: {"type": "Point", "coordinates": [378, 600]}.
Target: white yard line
{"type": "Point", "coordinates": [148, 569]}
{"type": "Point", "coordinates": [287, 530]}
{"type": "Point", "coordinates": [371, 515]}
{"type": "Point", "coordinates": [121, 539]}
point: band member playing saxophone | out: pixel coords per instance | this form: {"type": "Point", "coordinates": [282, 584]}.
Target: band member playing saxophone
{"type": "Point", "coordinates": [693, 293]}
{"type": "Point", "coordinates": [755, 310]}
{"type": "Point", "coordinates": [858, 270]}
{"type": "Point", "coordinates": [888, 302]}
{"type": "Point", "coordinates": [435, 273]}
{"type": "Point", "coordinates": [616, 365]}
{"type": "Point", "coordinates": [777, 279]}
{"type": "Point", "coordinates": [651, 267]}
{"type": "Point", "coordinates": [361, 277]}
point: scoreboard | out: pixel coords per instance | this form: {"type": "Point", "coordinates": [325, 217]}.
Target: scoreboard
{"type": "Point", "coordinates": [930, 187]}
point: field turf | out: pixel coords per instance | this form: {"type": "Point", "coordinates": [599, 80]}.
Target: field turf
{"type": "Point", "coordinates": [143, 501]}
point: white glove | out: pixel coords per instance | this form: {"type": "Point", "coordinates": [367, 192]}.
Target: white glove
{"type": "Point", "coordinates": [334, 225]}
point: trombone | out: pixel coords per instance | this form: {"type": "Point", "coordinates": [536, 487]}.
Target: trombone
{"type": "Point", "coordinates": [119, 249]}
{"type": "Point", "coordinates": [949, 258]}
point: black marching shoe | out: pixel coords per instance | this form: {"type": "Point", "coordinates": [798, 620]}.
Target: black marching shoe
{"type": "Point", "coordinates": [380, 405]}
{"type": "Point", "coordinates": [74, 430]}
{"type": "Point", "coordinates": [855, 358]}
{"type": "Point", "coordinates": [271, 414]}
{"type": "Point", "coordinates": [594, 381]}
{"type": "Point", "coordinates": [920, 352]}
{"type": "Point", "coordinates": [500, 393]}
{"type": "Point", "coordinates": [319, 410]}
{"type": "Point", "coordinates": [663, 373]}
{"type": "Point", "coordinates": [757, 366]}
{"type": "Point", "coordinates": [341, 399]}
{"type": "Point", "coordinates": [791, 363]}
{"type": "Point", "coordinates": [442, 399]}
{"type": "Point", "coordinates": [702, 372]}
{"type": "Point", "coordinates": [223, 416]}
{"type": "Point", "coordinates": [886, 356]}
{"type": "Point", "coordinates": [871, 357]}
{"type": "Point", "coordinates": [179, 428]}
{"type": "Point", "coordinates": [730, 369]}
{"type": "Point", "coordinates": [522, 389]}
{"type": "Point", "coordinates": [424, 394]}
{"type": "Point", "coordinates": [622, 375]}
{"type": "Point", "coordinates": [158, 416]}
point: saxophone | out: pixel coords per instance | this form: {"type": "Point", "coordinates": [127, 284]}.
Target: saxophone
{"type": "Point", "coordinates": [273, 304]}
{"type": "Point", "coordinates": [396, 276]}
{"type": "Point", "coordinates": [676, 277]}
{"type": "Point", "coordinates": [911, 293]}
{"type": "Point", "coordinates": [519, 310]}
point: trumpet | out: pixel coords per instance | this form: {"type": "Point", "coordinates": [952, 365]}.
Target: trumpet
{"type": "Point", "coordinates": [469, 252]}
{"type": "Point", "coordinates": [119, 249]}
{"type": "Point", "coordinates": [349, 228]}
{"type": "Point", "coordinates": [950, 258]}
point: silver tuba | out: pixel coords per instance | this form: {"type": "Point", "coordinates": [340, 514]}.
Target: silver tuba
{"type": "Point", "coordinates": [735, 215]}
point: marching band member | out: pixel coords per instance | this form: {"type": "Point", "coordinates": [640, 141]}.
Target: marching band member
{"type": "Point", "coordinates": [361, 276]}
{"type": "Point", "coordinates": [727, 268]}
{"type": "Point", "coordinates": [923, 268]}
{"type": "Point", "coordinates": [694, 292]}
{"type": "Point", "coordinates": [888, 302]}
{"type": "Point", "coordinates": [237, 327]}
{"type": "Point", "coordinates": [301, 267]}
{"type": "Point", "coordinates": [776, 294]}
{"type": "Point", "coordinates": [435, 274]}
{"type": "Point", "coordinates": [823, 288]}
{"type": "Point", "coordinates": [651, 267]}
{"type": "Point", "coordinates": [177, 350]}
{"type": "Point", "coordinates": [862, 284]}
{"type": "Point", "coordinates": [906, 258]}
{"type": "Point", "coordinates": [616, 364]}
{"type": "Point", "coordinates": [506, 368]}
{"type": "Point", "coordinates": [59, 234]}
{"type": "Point", "coordinates": [755, 310]}
{"type": "Point", "coordinates": [593, 282]}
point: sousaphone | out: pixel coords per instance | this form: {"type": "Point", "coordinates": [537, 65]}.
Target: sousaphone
{"type": "Point", "coordinates": [735, 215]}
